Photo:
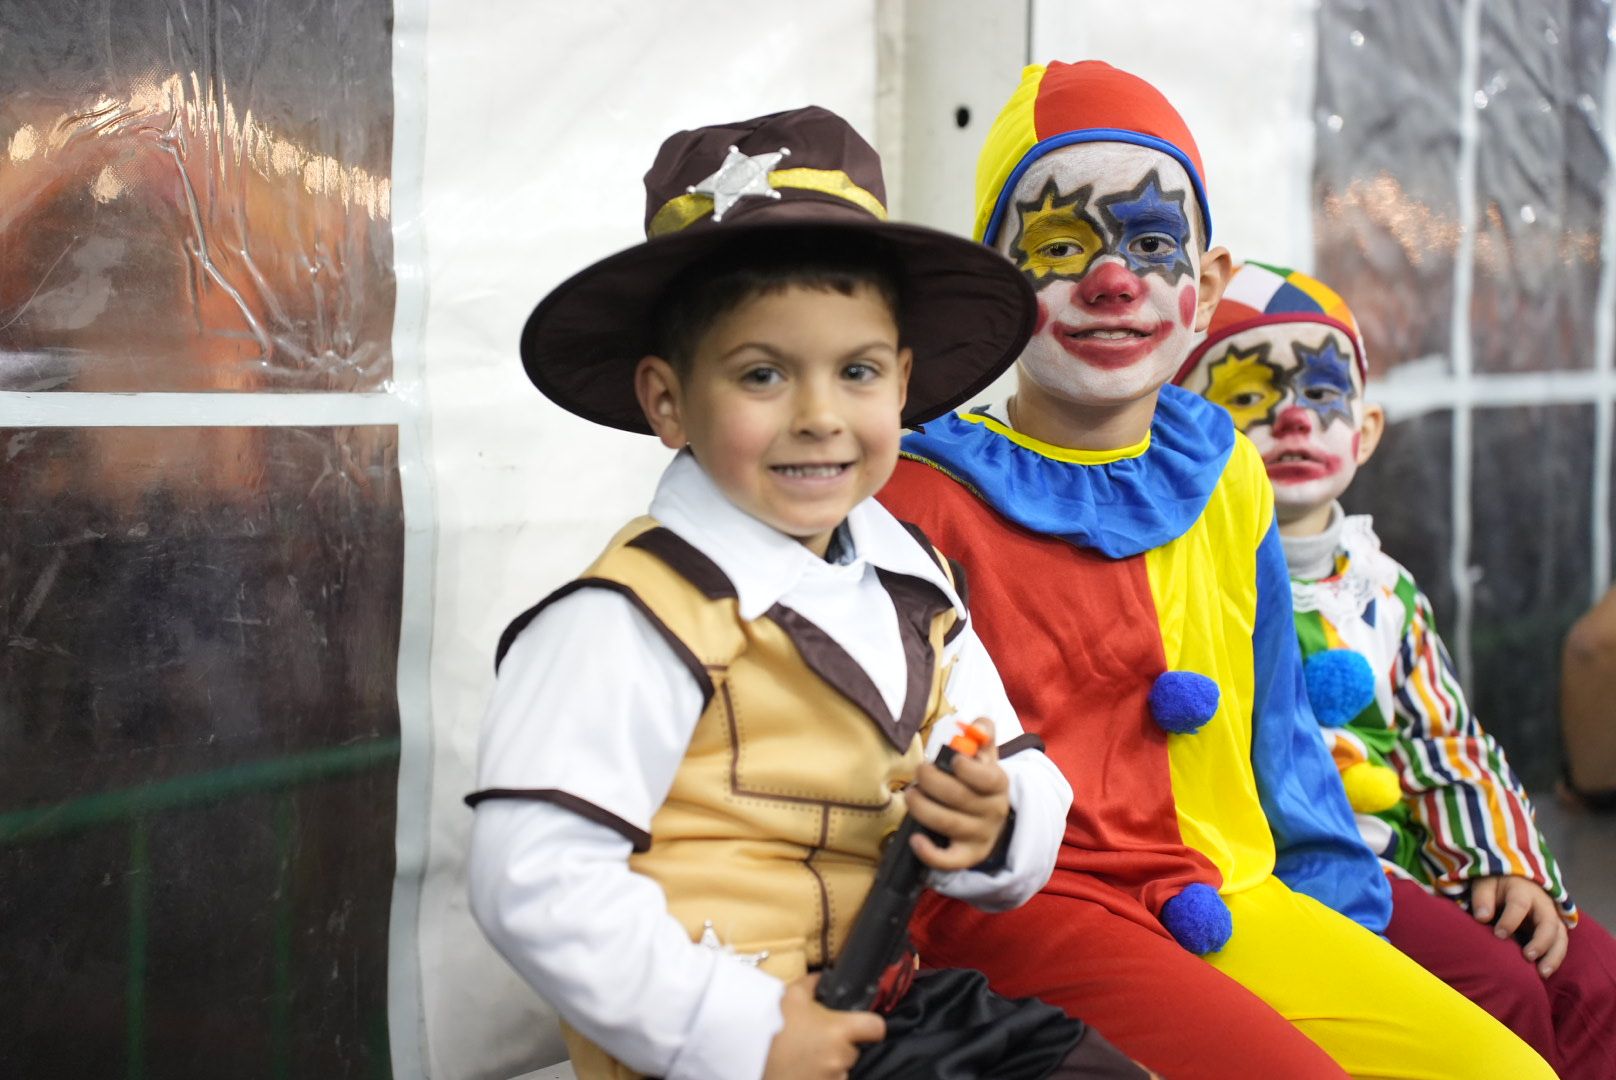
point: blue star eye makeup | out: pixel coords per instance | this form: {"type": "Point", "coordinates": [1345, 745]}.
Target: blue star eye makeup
{"type": "Point", "coordinates": [1323, 381]}
{"type": "Point", "coordinates": [1148, 228]}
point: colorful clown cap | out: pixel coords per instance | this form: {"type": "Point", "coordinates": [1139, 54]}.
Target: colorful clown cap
{"type": "Point", "coordinates": [1060, 105]}
{"type": "Point", "coordinates": [1260, 295]}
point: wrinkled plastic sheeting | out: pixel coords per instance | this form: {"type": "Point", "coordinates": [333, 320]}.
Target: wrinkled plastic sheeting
{"type": "Point", "coordinates": [199, 625]}
{"type": "Point", "coordinates": [1539, 199]}
{"type": "Point", "coordinates": [1385, 188]}
{"type": "Point", "coordinates": [195, 195]}
{"type": "Point", "coordinates": [1539, 173]}
{"type": "Point", "coordinates": [1532, 465]}
{"type": "Point", "coordinates": [1389, 111]}
{"type": "Point", "coordinates": [1392, 112]}
{"type": "Point", "coordinates": [198, 749]}
{"type": "Point", "coordinates": [1407, 485]}
{"type": "Point", "coordinates": [179, 598]}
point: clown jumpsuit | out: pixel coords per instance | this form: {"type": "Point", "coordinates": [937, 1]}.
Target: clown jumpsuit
{"type": "Point", "coordinates": [1093, 574]}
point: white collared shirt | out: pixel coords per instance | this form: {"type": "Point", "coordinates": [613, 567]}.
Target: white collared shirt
{"type": "Point", "coordinates": [591, 701]}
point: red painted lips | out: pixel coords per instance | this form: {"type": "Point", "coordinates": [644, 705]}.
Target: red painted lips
{"type": "Point", "coordinates": [1298, 464]}
{"type": "Point", "coordinates": [1111, 346]}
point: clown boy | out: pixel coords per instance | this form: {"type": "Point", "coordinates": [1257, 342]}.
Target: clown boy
{"type": "Point", "coordinates": [1128, 579]}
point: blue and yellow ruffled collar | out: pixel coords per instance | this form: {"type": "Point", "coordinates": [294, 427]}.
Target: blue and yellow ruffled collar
{"type": "Point", "coordinates": [1118, 502]}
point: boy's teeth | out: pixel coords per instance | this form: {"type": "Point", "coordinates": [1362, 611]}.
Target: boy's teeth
{"type": "Point", "coordinates": [809, 470]}
{"type": "Point", "coordinates": [1111, 335]}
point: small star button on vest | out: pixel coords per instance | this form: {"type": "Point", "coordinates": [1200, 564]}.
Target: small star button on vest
{"type": "Point", "coordinates": [709, 940]}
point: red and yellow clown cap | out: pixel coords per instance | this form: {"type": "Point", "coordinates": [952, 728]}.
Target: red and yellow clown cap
{"type": "Point", "coordinates": [1261, 295]}
{"type": "Point", "coordinates": [1059, 105]}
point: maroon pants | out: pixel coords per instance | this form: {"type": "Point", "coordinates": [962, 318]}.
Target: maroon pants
{"type": "Point", "coordinates": [1569, 1018]}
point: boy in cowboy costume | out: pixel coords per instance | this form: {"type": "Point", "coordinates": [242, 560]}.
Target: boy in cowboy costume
{"type": "Point", "coordinates": [696, 749]}
{"type": "Point", "coordinates": [1129, 583]}
{"type": "Point", "coordinates": [1433, 793]}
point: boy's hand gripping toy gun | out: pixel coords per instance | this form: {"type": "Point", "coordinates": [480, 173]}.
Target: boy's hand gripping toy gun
{"type": "Point", "coordinates": [880, 934]}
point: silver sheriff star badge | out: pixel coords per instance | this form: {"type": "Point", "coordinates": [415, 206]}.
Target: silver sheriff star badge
{"type": "Point", "coordinates": [709, 940]}
{"type": "Point", "coordinates": [740, 175]}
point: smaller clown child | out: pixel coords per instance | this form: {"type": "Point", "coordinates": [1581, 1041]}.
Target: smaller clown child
{"type": "Point", "coordinates": [1432, 792]}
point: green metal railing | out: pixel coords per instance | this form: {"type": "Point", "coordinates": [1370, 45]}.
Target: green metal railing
{"type": "Point", "coordinates": [136, 806]}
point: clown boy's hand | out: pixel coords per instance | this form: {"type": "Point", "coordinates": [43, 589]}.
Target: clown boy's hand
{"type": "Point", "coordinates": [1519, 902]}
{"type": "Point", "coordinates": [970, 807]}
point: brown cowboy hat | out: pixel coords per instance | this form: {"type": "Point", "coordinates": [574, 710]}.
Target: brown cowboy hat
{"type": "Point", "coordinates": [800, 177]}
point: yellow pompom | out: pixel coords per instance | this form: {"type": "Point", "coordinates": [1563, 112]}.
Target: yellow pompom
{"type": "Point", "coordinates": [1371, 788]}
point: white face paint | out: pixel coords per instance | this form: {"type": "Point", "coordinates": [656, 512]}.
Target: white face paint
{"type": "Point", "coordinates": [1295, 390]}
{"type": "Point", "coordinates": [1107, 234]}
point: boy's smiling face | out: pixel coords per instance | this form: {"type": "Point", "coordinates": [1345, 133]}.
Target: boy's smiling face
{"type": "Point", "coordinates": [792, 404]}
{"type": "Point", "coordinates": [1108, 234]}
{"type": "Point", "coordinates": [1295, 390]}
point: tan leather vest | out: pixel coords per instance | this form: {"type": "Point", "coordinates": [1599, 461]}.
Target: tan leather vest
{"type": "Point", "coordinates": [768, 840]}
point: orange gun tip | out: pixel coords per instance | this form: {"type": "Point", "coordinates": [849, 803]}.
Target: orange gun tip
{"type": "Point", "coordinates": [970, 739]}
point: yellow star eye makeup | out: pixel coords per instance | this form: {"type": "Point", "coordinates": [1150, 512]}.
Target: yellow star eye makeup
{"type": "Point", "coordinates": [1247, 385]}
{"type": "Point", "coordinates": [1056, 236]}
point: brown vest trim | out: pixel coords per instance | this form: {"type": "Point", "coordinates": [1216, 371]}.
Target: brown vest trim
{"type": "Point", "coordinates": [697, 670]}
{"type": "Point", "coordinates": [918, 602]}
{"type": "Point", "coordinates": [964, 590]}
{"type": "Point", "coordinates": [686, 561]}
{"type": "Point", "coordinates": [826, 907]}
{"type": "Point", "coordinates": [1020, 743]}
{"type": "Point", "coordinates": [831, 662]}
{"type": "Point", "coordinates": [637, 837]}
{"type": "Point", "coordinates": [951, 570]}
{"type": "Point", "coordinates": [925, 543]}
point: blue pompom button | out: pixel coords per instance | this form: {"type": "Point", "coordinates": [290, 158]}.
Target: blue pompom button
{"type": "Point", "coordinates": [1340, 685]}
{"type": "Point", "coordinates": [1198, 919]}
{"type": "Point", "coordinates": [1183, 701]}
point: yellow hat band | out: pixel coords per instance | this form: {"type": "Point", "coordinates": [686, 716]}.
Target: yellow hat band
{"type": "Point", "coordinates": [679, 212]}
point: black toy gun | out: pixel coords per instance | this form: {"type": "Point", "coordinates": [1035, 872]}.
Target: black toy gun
{"type": "Point", "coordinates": [879, 937]}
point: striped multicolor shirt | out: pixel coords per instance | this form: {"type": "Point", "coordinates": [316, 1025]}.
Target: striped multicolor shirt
{"type": "Point", "coordinates": [1464, 813]}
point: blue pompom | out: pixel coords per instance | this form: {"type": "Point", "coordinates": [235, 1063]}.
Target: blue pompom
{"type": "Point", "coordinates": [1183, 701]}
{"type": "Point", "coordinates": [1198, 919]}
{"type": "Point", "coordinates": [1340, 685]}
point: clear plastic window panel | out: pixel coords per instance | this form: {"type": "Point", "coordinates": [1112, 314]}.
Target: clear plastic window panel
{"type": "Point", "coordinates": [1386, 219]}
{"type": "Point", "coordinates": [1390, 109]}
{"type": "Point", "coordinates": [1532, 493]}
{"type": "Point", "coordinates": [1408, 486]}
{"type": "Point", "coordinates": [1539, 174]}
{"type": "Point", "coordinates": [198, 717]}
{"type": "Point", "coordinates": [195, 195]}
{"type": "Point", "coordinates": [198, 749]}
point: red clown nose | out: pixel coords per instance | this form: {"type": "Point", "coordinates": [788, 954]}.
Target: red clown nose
{"type": "Point", "coordinates": [1110, 284]}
